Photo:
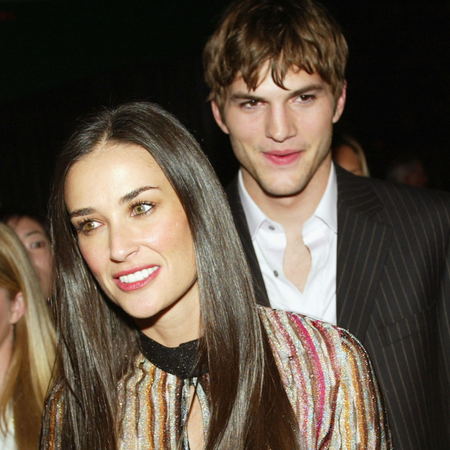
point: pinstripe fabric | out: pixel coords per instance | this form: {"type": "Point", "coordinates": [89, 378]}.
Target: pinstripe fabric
{"type": "Point", "coordinates": [393, 293]}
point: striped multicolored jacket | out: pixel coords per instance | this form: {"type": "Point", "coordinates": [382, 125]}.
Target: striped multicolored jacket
{"type": "Point", "coordinates": [327, 375]}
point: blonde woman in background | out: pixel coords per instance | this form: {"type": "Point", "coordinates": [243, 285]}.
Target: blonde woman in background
{"type": "Point", "coordinates": [348, 153]}
{"type": "Point", "coordinates": [27, 347]}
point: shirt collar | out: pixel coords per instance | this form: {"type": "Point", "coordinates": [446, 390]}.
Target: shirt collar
{"type": "Point", "coordinates": [326, 210]}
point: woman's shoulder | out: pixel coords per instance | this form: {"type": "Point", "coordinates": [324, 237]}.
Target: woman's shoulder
{"type": "Point", "coordinates": [327, 375]}
{"type": "Point", "coordinates": [280, 322]}
{"type": "Point", "coordinates": [288, 329]}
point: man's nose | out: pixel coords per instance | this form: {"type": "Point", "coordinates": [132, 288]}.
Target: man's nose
{"type": "Point", "coordinates": [280, 124]}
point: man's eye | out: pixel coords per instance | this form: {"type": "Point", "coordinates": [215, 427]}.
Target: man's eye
{"type": "Point", "coordinates": [250, 104]}
{"type": "Point", "coordinates": [305, 98]}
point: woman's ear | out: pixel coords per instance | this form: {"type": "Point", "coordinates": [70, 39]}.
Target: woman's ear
{"type": "Point", "coordinates": [17, 308]}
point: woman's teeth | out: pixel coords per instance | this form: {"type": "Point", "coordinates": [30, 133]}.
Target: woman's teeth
{"type": "Point", "coordinates": [137, 276]}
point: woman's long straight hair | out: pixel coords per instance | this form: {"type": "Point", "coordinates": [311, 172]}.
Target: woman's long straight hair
{"type": "Point", "coordinates": [98, 341]}
{"type": "Point", "coordinates": [28, 375]}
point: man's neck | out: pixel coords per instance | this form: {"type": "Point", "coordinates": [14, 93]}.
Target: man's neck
{"type": "Point", "coordinates": [293, 210]}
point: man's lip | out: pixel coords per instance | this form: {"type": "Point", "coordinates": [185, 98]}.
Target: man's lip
{"type": "Point", "coordinates": [282, 157]}
{"type": "Point", "coordinates": [282, 152]}
{"type": "Point", "coordinates": [133, 270]}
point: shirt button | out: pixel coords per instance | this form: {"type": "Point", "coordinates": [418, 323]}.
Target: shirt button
{"type": "Point", "coordinates": [275, 273]}
{"type": "Point", "coordinates": [271, 227]}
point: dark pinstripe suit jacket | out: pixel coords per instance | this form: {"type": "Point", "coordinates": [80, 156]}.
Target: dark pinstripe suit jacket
{"type": "Point", "coordinates": [393, 293]}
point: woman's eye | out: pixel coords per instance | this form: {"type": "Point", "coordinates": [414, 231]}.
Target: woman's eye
{"type": "Point", "coordinates": [140, 209]}
{"type": "Point", "coordinates": [37, 244]}
{"type": "Point", "coordinates": [86, 226]}
{"type": "Point", "coordinates": [89, 225]}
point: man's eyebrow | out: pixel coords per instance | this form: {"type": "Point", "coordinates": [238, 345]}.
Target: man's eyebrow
{"type": "Point", "coordinates": [135, 193]}
{"type": "Point", "coordinates": [306, 89]}
{"type": "Point", "coordinates": [244, 96]}
{"type": "Point", "coordinates": [241, 95]}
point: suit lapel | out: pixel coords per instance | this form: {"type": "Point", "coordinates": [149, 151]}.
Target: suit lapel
{"type": "Point", "coordinates": [241, 225]}
{"type": "Point", "coordinates": [363, 244]}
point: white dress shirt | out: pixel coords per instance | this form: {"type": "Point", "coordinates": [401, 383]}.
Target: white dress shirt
{"type": "Point", "coordinates": [320, 236]}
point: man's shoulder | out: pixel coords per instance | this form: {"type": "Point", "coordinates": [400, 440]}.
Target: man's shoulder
{"type": "Point", "coordinates": [391, 195]}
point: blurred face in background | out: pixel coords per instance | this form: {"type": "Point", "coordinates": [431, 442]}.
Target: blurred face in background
{"type": "Point", "coordinates": [36, 242]}
{"type": "Point", "coordinates": [346, 157]}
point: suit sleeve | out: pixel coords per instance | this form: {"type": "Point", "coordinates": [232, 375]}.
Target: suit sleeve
{"type": "Point", "coordinates": [443, 362]}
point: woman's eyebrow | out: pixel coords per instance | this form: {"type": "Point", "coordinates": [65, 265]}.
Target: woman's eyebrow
{"type": "Point", "coordinates": [126, 198]}
{"type": "Point", "coordinates": [33, 232]}
{"type": "Point", "coordinates": [81, 212]}
{"type": "Point", "coordinates": [135, 193]}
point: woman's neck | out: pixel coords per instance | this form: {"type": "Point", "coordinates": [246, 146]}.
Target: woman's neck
{"type": "Point", "coordinates": [177, 324]}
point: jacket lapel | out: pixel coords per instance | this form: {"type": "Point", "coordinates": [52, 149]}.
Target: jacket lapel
{"type": "Point", "coordinates": [244, 233]}
{"type": "Point", "coordinates": [363, 244]}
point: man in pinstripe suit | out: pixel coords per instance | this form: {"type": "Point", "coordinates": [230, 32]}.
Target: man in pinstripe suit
{"type": "Point", "coordinates": [370, 256]}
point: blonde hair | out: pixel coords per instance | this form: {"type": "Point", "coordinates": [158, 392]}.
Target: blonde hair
{"type": "Point", "coordinates": [29, 372]}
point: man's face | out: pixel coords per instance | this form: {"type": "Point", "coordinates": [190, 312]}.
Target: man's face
{"type": "Point", "coordinates": [281, 137]}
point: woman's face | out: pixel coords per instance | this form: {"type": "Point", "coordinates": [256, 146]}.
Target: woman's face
{"type": "Point", "coordinates": [134, 235]}
{"type": "Point", "coordinates": [37, 244]}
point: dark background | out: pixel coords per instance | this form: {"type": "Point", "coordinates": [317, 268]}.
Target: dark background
{"type": "Point", "coordinates": [62, 59]}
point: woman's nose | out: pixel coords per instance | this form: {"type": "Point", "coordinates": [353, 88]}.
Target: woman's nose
{"type": "Point", "coordinates": [121, 243]}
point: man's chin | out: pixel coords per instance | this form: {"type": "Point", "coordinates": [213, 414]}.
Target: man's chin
{"type": "Point", "coordinates": [283, 191]}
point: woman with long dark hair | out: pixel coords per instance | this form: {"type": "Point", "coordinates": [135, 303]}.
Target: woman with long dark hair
{"type": "Point", "coordinates": [161, 343]}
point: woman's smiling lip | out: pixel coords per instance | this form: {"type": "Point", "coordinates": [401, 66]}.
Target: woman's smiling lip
{"type": "Point", "coordinates": [136, 278]}
{"type": "Point", "coordinates": [282, 157]}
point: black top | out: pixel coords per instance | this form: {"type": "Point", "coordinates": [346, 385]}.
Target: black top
{"type": "Point", "coordinates": [181, 361]}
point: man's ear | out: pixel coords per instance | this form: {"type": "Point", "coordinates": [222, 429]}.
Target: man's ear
{"type": "Point", "coordinates": [340, 103]}
{"type": "Point", "coordinates": [17, 308]}
{"type": "Point", "coordinates": [218, 116]}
